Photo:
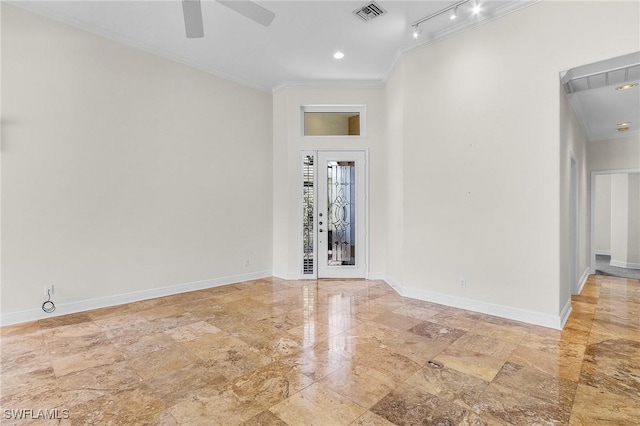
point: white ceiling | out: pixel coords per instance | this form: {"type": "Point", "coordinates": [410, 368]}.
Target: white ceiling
{"type": "Point", "coordinates": [297, 47]}
{"type": "Point", "coordinates": [599, 106]}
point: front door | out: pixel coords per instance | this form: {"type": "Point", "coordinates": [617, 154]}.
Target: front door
{"type": "Point", "coordinates": [341, 214]}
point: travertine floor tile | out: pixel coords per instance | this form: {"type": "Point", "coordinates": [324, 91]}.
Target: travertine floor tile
{"type": "Point", "coordinates": [395, 320]}
{"type": "Point", "coordinates": [486, 345]}
{"type": "Point", "coordinates": [371, 419]}
{"type": "Point", "coordinates": [95, 357]}
{"type": "Point", "coordinates": [361, 384]}
{"type": "Point", "coordinates": [593, 406]}
{"type": "Point", "coordinates": [449, 384]}
{"type": "Point", "coordinates": [504, 404]}
{"type": "Point", "coordinates": [482, 366]}
{"type": "Point", "coordinates": [328, 352]}
{"type": "Point", "coordinates": [219, 405]}
{"type": "Point", "coordinates": [161, 361]}
{"type": "Point", "coordinates": [271, 384]}
{"type": "Point", "coordinates": [265, 418]}
{"type": "Point", "coordinates": [314, 362]}
{"type": "Point", "coordinates": [407, 405]}
{"type": "Point", "coordinates": [97, 382]}
{"type": "Point", "coordinates": [184, 383]}
{"type": "Point", "coordinates": [317, 405]}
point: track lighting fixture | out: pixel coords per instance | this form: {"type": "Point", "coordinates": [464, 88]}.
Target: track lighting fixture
{"type": "Point", "coordinates": [453, 14]}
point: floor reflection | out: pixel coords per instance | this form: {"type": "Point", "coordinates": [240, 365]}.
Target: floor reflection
{"type": "Point", "coordinates": [328, 352]}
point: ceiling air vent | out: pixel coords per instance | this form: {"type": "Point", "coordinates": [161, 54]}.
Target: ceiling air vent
{"type": "Point", "coordinates": [368, 12]}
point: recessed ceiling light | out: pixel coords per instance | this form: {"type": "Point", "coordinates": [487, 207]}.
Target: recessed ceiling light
{"type": "Point", "coordinates": [627, 86]}
{"type": "Point", "coordinates": [338, 55]}
{"type": "Point", "coordinates": [624, 124]}
{"type": "Point", "coordinates": [623, 129]}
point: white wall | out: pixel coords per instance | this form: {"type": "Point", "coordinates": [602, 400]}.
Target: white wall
{"type": "Point", "coordinates": [572, 145]}
{"type": "Point", "coordinates": [625, 223]}
{"type": "Point", "coordinates": [123, 172]}
{"type": "Point", "coordinates": [614, 154]}
{"type": "Point", "coordinates": [633, 238]}
{"type": "Point", "coordinates": [485, 165]}
{"type": "Point", "coordinates": [394, 133]}
{"type": "Point", "coordinates": [603, 215]}
{"type": "Point", "coordinates": [288, 142]}
{"type": "Point", "coordinates": [619, 218]}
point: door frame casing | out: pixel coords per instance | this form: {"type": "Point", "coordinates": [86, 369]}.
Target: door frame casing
{"type": "Point", "coordinates": [299, 205]}
{"type": "Point", "coordinates": [574, 244]}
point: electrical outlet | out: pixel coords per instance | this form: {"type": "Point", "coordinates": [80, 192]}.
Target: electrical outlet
{"type": "Point", "coordinates": [48, 290]}
{"type": "Point", "coordinates": [245, 263]}
{"type": "Point", "coordinates": [463, 282]}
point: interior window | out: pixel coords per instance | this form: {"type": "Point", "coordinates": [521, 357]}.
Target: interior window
{"type": "Point", "coordinates": [332, 120]}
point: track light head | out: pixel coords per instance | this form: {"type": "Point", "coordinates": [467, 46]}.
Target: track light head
{"type": "Point", "coordinates": [454, 13]}
{"type": "Point", "coordinates": [416, 31]}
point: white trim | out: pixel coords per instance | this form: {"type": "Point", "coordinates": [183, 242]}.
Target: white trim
{"type": "Point", "coordinates": [360, 269]}
{"type": "Point", "coordinates": [299, 275]}
{"type": "Point", "coordinates": [119, 299]}
{"type": "Point", "coordinates": [592, 208]}
{"type": "Point", "coordinates": [604, 252]}
{"type": "Point", "coordinates": [583, 279]}
{"type": "Point", "coordinates": [368, 84]}
{"type": "Point", "coordinates": [376, 277]}
{"type": "Point", "coordinates": [293, 277]}
{"type": "Point", "coordinates": [564, 314]}
{"type": "Point", "coordinates": [627, 265]}
{"type": "Point", "coordinates": [394, 284]}
{"type": "Point", "coordinates": [530, 317]}
{"type": "Point", "coordinates": [574, 232]}
{"type": "Point", "coordinates": [580, 115]}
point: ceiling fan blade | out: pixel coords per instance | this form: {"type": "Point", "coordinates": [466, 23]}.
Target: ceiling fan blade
{"type": "Point", "coordinates": [193, 18]}
{"type": "Point", "coordinates": [251, 10]}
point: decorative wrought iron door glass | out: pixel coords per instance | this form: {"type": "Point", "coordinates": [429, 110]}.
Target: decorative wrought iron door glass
{"type": "Point", "coordinates": [308, 201]}
{"type": "Point", "coordinates": [341, 213]}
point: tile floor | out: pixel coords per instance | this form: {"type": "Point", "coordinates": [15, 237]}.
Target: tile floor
{"type": "Point", "coordinates": [274, 352]}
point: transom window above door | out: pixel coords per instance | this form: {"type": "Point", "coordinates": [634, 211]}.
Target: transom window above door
{"type": "Point", "coordinates": [333, 120]}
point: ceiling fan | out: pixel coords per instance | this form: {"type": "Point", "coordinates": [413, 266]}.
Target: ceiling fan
{"type": "Point", "coordinates": [193, 14]}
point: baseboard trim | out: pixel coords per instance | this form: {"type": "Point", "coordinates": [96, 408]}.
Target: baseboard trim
{"type": "Point", "coordinates": [627, 265]}
{"type": "Point", "coordinates": [530, 317]}
{"type": "Point", "coordinates": [394, 284]}
{"type": "Point", "coordinates": [604, 252]}
{"type": "Point", "coordinates": [583, 279]}
{"type": "Point", "coordinates": [119, 299]}
{"type": "Point", "coordinates": [564, 315]}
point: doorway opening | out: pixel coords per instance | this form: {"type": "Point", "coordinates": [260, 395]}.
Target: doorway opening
{"type": "Point", "coordinates": [615, 223]}
{"type": "Point", "coordinates": [334, 214]}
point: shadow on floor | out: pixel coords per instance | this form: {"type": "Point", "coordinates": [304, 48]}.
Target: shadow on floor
{"type": "Point", "coordinates": [603, 268]}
